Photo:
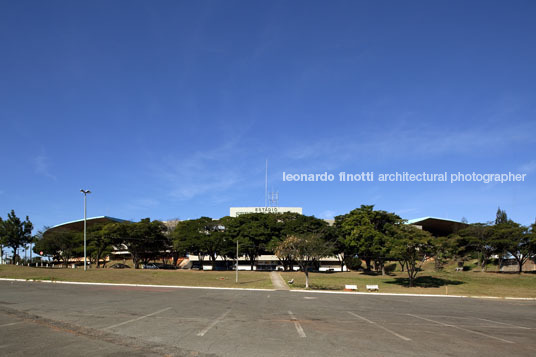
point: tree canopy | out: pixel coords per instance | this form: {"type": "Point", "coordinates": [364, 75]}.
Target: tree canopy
{"type": "Point", "coordinates": [15, 233]}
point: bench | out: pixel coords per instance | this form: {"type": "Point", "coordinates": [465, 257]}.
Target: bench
{"type": "Point", "coordinates": [373, 288]}
{"type": "Point", "coordinates": [350, 287]}
{"type": "Point", "coordinates": [459, 269]}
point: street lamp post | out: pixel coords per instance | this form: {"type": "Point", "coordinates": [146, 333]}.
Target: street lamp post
{"type": "Point", "coordinates": [237, 261]}
{"type": "Point", "coordinates": [85, 192]}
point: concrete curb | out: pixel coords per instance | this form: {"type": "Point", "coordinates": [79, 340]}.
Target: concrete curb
{"type": "Point", "coordinates": [131, 285]}
{"type": "Point", "coordinates": [251, 289]}
{"type": "Point", "coordinates": [415, 295]}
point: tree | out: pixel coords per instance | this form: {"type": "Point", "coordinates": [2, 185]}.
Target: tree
{"type": "Point", "coordinates": [411, 246]}
{"type": "Point", "coordinates": [213, 240]}
{"type": "Point", "coordinates": [366, 231]}
{"type": "Point", "coordinates": [443, 248]}
{"type": "Point", "coordinates": [305, 250]}
{"type": "Point", "coordinates": [297, 224]}
{"type": "Point", "coordinates": [2, 238]}
{"type": "Point", "coordinates": [479, 239]}
{"type": "Point", "coordinates": [190, 237]}
{"type": "Point", "coordinates": [15, 233]}
{"type": "Point", "coordinates": [501, 216]}
{"type": "Point", "coordinates": [145, 239]}
{"type": "Point", "coordinates": [516, 240]}
{"type": "Point", "coordinates": [61, 245]}
{"type": "Point", "coordinates": [228, 244]}
{"type": "Point", "coordinates": [254, 232]}
{"type": "Point", "coordinates": [99, 242]}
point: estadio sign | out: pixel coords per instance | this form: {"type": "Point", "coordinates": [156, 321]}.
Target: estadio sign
{"type": "Point", "coordinates": [237, 211]}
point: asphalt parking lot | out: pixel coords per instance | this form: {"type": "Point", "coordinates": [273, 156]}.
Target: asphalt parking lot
{"type": "Point", "coordinates": [66, 320]}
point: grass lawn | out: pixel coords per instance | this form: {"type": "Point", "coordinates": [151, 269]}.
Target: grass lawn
{"type": "Point", "coordinates": [224, 279]}
{"type": "Point", "coordinates": [474, 283]}
{"type": "Point", "coordinates": [454, 283]}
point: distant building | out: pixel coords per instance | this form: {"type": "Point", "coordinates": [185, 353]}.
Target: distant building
{"type": "Point", "coordinates": [236, 211]}
{"type": "Point", "coordinates": [78, 225]}
{"type": "Point", "coordinates": [438, 227]}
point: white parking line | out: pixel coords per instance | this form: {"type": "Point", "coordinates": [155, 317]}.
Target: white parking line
{"type": "Point", "coordinates": [297, 324]}
{"type": "Point", "coordinates": [205, 330]}
{"type": "Point", "coordinates": [136, 319]}
{"type": "Point", "coordinates": [504, 323]}
{"type": "Point", "coordinates": [380, 326]}
{"type": "Point", "coordinates": [11, 324]}
{"type": "Point", "coordinates": [461, 328]}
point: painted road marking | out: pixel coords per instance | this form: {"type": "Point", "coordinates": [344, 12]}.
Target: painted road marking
{"type": "Point", "coordinates": [214, 323]}
{"type": "Point", "coordinates": [479, 318]}
{"type": "Point", "coordinates": [11, 324]}
{"type": "Point", "coordinates": [380, 326]}
{"type": "Point", "coordinates": [136, 319]}
{"type": "Point", "coordinates": [461, 328]}
{"type": "Point", "coordinates": [504, 323]}
{"type": "Point", "coordinates": [299, 328]}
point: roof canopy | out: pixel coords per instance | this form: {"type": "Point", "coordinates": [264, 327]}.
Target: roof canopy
{"type": "Point", "coordinates": [439, 227]}
{"type": "Point", "coordinates": [78, 225]}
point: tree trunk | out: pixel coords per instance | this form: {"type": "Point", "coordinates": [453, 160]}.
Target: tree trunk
{"type": "Point", "coordinates": [520, 264]}
{"type": "Point", "coordinates": [136, 261]}
{"type": "Point", "coordinates": [200, 257]}
{"type": "Point", "coordinates": [367, 262]}
{"type": "Point", "coordinates": [306, 278]}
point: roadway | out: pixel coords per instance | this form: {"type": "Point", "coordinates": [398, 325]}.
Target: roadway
{"type": "Point", "coordinates": [68, 320]}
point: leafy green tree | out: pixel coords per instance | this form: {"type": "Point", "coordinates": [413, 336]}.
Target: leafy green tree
{"type": "Point", "coordinates": [192, 237]}
{"type": "Point", "coordinates": [228, 245]}
{"type": "Point", "coordinates": [516, 240]}
{"type": "Point", "coordinates": [100, 238]}
{"type": "Point", "coordinates": [305, 250]}
{"type": "Point", "coordinates": [15, 233]}
{"type": "Point", "coordinates": [291, 224]}
{"type": "Point", "coordinates": [411, 246]}
{"type": "Point", "coordinates": [145, 240]}
{"type": "Point", "coordinates": [345, 248]}
{"type": "Point", "coordinates": [2, 238]}
{"type": "Point", "coordinates": [62, 245]}
{"type": "Point", "coordinates": [254, 232]}
{"type": "Point", "coordinates": [501, 216]}
{"type": "Point", "coordinates": [443, 249]}
{"type": "Point", "coordinates": [213, 240]}
{"type": "Point", "coordinates": [479, 239]}
{"type": "Point", "coordinates": [366, 230]}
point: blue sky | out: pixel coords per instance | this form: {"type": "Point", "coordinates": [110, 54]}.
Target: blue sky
{"type": "Point", "coordinates": [169, 109]}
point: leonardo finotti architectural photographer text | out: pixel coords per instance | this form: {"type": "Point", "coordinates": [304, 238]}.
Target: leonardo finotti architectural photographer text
{"type": "Point", "coordinates": [369, 176]}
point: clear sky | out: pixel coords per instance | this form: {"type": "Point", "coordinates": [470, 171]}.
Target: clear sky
{"type": "Point", "coordinates": [169, 109]}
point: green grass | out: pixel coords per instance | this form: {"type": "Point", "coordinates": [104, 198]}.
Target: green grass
{"type": "Point", "coordinates": [472, 283]}
{"type": "Point", "coordinates": [224, 279]}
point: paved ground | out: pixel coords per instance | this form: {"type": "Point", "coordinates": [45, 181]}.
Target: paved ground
{"type": "Point", "coordinates": [68, 320]}
{"type": "Point", "coordinates": [277, 281]}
